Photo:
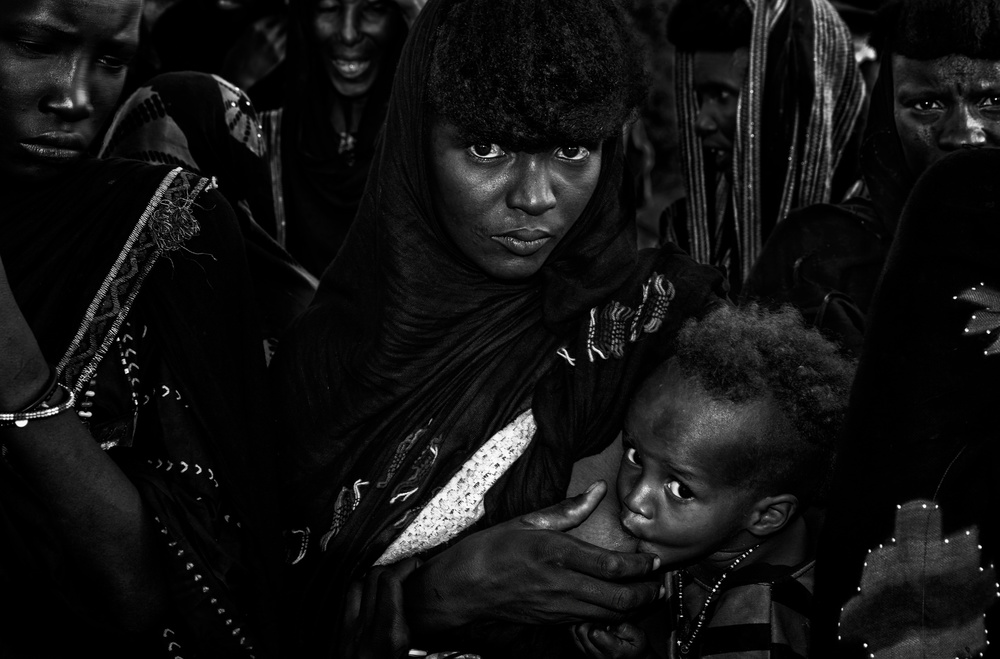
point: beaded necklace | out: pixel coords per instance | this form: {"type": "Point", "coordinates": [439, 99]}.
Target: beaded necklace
{"type": "Point", "coordinates": [685, 645]}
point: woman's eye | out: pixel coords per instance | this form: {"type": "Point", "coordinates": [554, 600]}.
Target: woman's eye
{"type": "Point", "coordinates": [34, 48]}
{"type": "Point", "coordinates": [572, 153]}
{"type": "Point", "coordinates": [486, 151]}
{"type": "Point", "coordinates": [632, 456]}
{"type": "Point", "coordinates": [113, 63]}
{"type": "Point", "coordinates": [679, 490]}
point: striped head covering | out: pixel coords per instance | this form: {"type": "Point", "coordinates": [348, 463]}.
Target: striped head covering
{"type": "Point", "coordinates": [797, 110]}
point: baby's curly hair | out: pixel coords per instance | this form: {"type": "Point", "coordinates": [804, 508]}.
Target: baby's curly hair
{"type": "Point", "coordinates": [535, 73]}
{"type": "Point", "coordinates": [745, 354]}
{"type": "Point", "coordinates": [930, 29]}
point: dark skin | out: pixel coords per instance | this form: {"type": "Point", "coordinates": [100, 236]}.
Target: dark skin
{"type": "Point", "coordinates": [529, 571]}
{"type": "Point", "coordinates": [62, 65]}
{"type": "Point", "coordinates": [505, 211]}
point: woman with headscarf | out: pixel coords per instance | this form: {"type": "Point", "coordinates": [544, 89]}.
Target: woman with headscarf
{"type": "Point", "coordinates": [768, 98]}
{"type": "Point", "coordinates": [134, 511]}
{"type": "Point", "coordinates": [480, 331]}
{"type": "Point", "coordinates": [341, 58]}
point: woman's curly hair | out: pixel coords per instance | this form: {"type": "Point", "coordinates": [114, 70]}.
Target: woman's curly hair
{"type": "Point", "coordinates": [930, 29]}
{"type": "Point", "coordinates": [535, 73]}
{"type": "Point", "coordinates": [745, 354]}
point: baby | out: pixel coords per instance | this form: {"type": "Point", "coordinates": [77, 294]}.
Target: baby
{"type": "Point", "coordinates": [726, 448]}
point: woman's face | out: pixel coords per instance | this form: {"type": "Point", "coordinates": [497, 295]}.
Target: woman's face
{"type": "Point", "coordinates": [507, 210]}
{"type": "Point", "coordinates": [353, 37]}
{"type": "Point", "coordinates": [62, 66]}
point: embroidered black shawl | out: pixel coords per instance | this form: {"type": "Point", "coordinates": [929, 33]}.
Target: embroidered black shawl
{"type": "Point", "coordinates": [134, 281]}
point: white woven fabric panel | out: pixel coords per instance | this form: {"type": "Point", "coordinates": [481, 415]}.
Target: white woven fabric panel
{"type": "Point", "coordinates": [459, 504]}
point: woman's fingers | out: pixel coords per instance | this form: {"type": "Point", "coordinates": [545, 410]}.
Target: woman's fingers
{"type": "Point", "coordinates": [569, 513]}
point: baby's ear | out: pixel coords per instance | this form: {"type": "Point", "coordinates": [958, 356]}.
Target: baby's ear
{"type": "Point", "coordinates": [771, 514]}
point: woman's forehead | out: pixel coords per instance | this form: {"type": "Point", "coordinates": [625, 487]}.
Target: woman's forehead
{"type": "Point", "coordinates": [109, 19]}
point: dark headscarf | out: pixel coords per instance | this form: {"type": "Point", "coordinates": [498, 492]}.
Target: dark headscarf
{"type": "Point", "coordinates": [322, 186]}
{"type": "Point", "coordinates": [411, 358]}
{"type": "Point", "coordinates": [206, 125]}
{"type": "Point", "coordinates": [920, 458]}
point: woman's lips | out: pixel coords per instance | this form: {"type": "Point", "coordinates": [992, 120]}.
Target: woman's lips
{"type": "Point", "coordinates": [351, 69]}
{"type": "Point", "coordinates": [56, 146]}
{"type": "Point", "coordinates": [523, 242]}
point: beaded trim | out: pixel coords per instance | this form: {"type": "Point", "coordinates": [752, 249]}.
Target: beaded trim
{"type": "Point", "coordinates": [948, 573]}
{"type": "Point", "coordinates": [165, 225]}
{"type": "Point", "coordinates": [179, 554]}
{"type": "Point", "coordinates": [987, 319]}
{"type": "Point", "coordinates": [685, 645]}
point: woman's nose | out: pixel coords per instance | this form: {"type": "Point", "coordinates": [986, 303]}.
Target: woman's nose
{"type": "Point", "coordinates": [349, 32]}
{"type": "Point", "coordinates": [70, 97]}
{"type": "Point", "coordinates": [532, 190]}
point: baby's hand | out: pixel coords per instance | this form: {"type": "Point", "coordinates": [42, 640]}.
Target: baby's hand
{"type": "Point", "coordinates": [621, 641]}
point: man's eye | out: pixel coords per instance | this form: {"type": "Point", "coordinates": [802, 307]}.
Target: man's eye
{"type": "Point", "coordinates": [574, 153]}
{"type": "Point", "coordinates": [679, 490]}
{"type": "Point", "coordinates": [632, 456]}
{"type": "Point", "coordinates": [991, 102]}
{"type": "Point", "coordinates": [486, 151]}
{"type": "Point", "coordinates": [927, 106]}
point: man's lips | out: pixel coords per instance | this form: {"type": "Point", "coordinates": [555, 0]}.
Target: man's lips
{"type": "Point", "coordinates": [523, 242]}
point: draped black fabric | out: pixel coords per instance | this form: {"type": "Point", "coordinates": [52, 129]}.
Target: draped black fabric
{"type": "Point", "coordinates": [198, 456]}
{"type": "Point", "coordinates": [825, 259]}
{"type": "Point", "coordinates": [410, 358]}
{"type": "Point", "coordinates": [921, 427]}
{"type": "Point", "coordinates": [322, 186]}
{"type": "Point", "coordinates": [206, 125]}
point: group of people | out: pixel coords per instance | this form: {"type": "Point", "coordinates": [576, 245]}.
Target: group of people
{"type": "Point", "coordinates": [380, 372]}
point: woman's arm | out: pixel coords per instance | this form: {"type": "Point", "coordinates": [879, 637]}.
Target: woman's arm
{"type": "Point", "coordinates": [94, 505]}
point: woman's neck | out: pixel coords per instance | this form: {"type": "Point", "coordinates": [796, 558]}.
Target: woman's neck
{"type": "Point", "coordinates": [346, 114]}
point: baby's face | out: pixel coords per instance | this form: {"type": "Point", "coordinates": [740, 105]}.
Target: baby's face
{"type": "Point", "coordinates": [671, 482]}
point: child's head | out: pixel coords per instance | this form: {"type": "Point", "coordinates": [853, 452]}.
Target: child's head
{"type": "Point", "coordinates": [732, 436]}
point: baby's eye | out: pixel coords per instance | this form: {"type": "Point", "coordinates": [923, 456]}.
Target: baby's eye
{"type": "Point", "coordinates": [574, 153]}
{"type": "Point", "coordinates": [486, 151]}
{"type": "Point", "coordinates": [679, 490]}
{"type": "Point", "coordinates": [632, 456]}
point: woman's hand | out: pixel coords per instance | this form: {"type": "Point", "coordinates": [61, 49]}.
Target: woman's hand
{"type": "Point", "coordinates": [373, 626]}
{"type": "Point", "coordinates": [622, 641]}
{"type": "Point", "coordinates": [528, 571]}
